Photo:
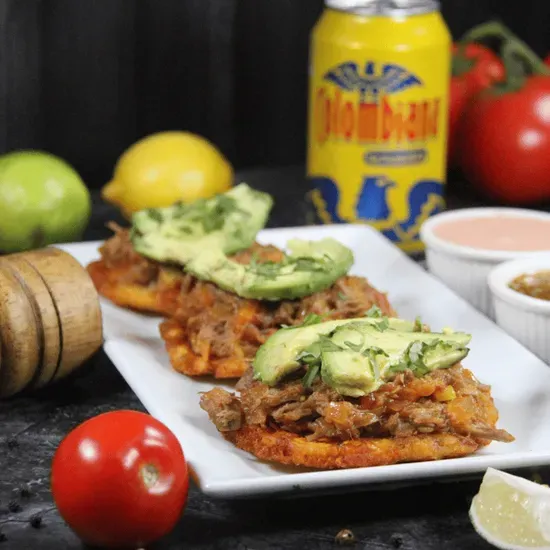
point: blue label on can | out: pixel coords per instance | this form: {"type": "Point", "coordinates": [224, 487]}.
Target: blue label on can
{"type": "Point", "coordinates": [424, 199]}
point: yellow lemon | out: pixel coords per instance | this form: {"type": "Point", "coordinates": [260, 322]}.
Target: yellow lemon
{"type": "Point", "coordinates": [165, 168]}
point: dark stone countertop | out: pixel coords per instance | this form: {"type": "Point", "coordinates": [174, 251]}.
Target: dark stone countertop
{"type": "Point", "coordinates": [431, 516]}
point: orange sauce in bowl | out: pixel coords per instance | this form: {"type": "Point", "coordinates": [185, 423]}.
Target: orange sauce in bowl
{"type": "Point", "coordinates": [503, 232]}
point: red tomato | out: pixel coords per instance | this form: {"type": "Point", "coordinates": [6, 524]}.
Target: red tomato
{"type": "Point", "coordinates": [505, 142]}
{"type": "Point", "coordinates": [475, 68]}
{"type": "Point", "coordinates": [478, 65]}
{"type": "Point", "coordinates": [120, 480]}
{"type": "Point", "coordinates": [547, 60]}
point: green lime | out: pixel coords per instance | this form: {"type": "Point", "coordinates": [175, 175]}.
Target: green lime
{"type": "Point", "coordinates": [512, 513]}
{"type": "Point", "coordinates": [43, 201]}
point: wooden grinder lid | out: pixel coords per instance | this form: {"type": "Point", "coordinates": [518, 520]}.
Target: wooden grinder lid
{"type": "Point", "coordinates": [54, 297]}
{"type": "Point", "coordinates": [20, 335]}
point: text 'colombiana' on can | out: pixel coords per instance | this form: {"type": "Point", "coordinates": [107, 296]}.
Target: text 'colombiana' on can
{"type": "Point", "coordinates": [377, 130]}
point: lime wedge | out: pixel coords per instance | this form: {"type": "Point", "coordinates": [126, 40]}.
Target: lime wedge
{"type": "Point", "coordinates": [511, 512]}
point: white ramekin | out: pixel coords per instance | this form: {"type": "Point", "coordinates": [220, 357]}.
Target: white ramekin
{"type": "Point", "coordinates": [526, 319]}
{"type": "Point", "coordinates": [465, 269]}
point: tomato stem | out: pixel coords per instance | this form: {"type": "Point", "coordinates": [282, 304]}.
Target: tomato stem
{"type": "Point", "coordinates": [515, 56]}
{"type": "Point", "coordinates": [486, 30]}
{"type": "Point", "coordinates": [461, 64]}
{"type": "Point", "coordinates": [515, 74]}
{"type": "Point", "coordinates": [497, 29]}
{"type": "Point", "coordinates": [517, 48]}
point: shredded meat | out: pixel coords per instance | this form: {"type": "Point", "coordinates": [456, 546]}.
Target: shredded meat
{"type": "Point", "coordinates": [258, 400]}
{"type": "Point", "coordinates": [404, 407]}
{"type": "Point", "coordinates": [223, 408]}
{"type": "Point", "coordinates": [118, 250]}
{"type": "Point", "coordinates": [209, 324]}
{"type": "Point", "coordinates": [234, 326]}
{"type": "Point", "coordinates": [340, 420]}
{"type": "Point", "coordinates": [348, 297]}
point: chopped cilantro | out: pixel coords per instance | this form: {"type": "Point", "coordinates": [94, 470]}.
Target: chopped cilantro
{"type": "Point", "coordinates": [214, 212]}
{"type": "Point", "coordinates": [342, 297]}
{"type": "Point", "coordinates": [311, 375]}
{"type": "Point", "coordinates": [416, 351]}
{"type": "Point", "coordinates": [413, 358]}
{"type": "Point", "coordinates": [374, 311]}
{"type": "Point", "coordinates": [327, 344]}
{"type": "Point", "coordinates": [185, 229]}
{"type": "Point", "coordinates": [311, 319]}
{"type": "Point", "coordinates": [382, 325]}
{"type": "Point", "coordinates": [352, 346]}
{"type": "Point", "coordinates": [308, 359]}
{"type": "Point", "coordinates": [212, 223]}
{"type": "Point", "coordinates": [400, 366]}
{"type": "Point", "coordinates": [374, 351]}
{"type": "Point", "coordinates": [310, 353]}
{"type": "Point", "coordinates": [225, 204]}
{"type": "Point", "coordinates": [311, 357]}
{"type": "Point", "coordinates": [154, 214]}
{"type": "Point", "coordinates": [372, 354]}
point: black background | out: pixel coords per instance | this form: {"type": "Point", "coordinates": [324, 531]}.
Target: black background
{"type": "Point", "coordinates": [86, 78]}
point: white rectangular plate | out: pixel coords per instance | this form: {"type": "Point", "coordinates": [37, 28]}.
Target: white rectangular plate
{"type": "Point", "coordinates": [520, 381]}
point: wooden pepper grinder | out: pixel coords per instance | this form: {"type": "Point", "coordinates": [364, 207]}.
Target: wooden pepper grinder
{"type": "Point", "coordinates": [50, 318]}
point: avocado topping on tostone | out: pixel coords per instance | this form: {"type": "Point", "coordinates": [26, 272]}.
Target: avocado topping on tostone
{"type": "Point", "coordinates": [357, 356]}
{"type": "Point", "coordinates": [309, 267]}
{"type": "Point", "coordinates": [228, 222]}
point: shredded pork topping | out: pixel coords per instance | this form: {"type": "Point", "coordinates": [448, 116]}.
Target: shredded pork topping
{"type": "Point", "coordinates": [403, 407]}
{"type": "Point", "coordinates": [118, 250]}
{"type": "Point", "coordinates": [220, 324]}
{"type": "Point", "coordinates": [230, 326]}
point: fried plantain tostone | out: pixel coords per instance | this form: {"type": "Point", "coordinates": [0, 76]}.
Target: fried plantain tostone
{"type": "Point", "coordinates": [183, 359]}
{"type": "Point", "coordinates": [110, 283]}
{"type": "Point", "coordinates": [291, 449]}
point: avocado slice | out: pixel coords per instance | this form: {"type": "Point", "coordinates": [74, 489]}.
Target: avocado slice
{"type": "Point", "coordinates": [383, 354]}
{"type": "Point", "coordinates": [279, 355]}
{"type": "Point", "coordinates": [350, 373]}
{"type": "Point", "coordinates": [228, 222]}
{"type": "Point", "coordinates": [309, 267]}
{"type": "Point", "coordinates": [357, 356]}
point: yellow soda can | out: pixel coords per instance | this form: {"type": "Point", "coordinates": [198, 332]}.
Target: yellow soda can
{"type": "Point", "coordinates": [377, 121]}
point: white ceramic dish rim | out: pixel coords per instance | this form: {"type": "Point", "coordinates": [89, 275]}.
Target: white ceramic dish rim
{"type": "Point", "coordinates": [433, 241]}
{"type": "Point", "coordinates": [502, 275]}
